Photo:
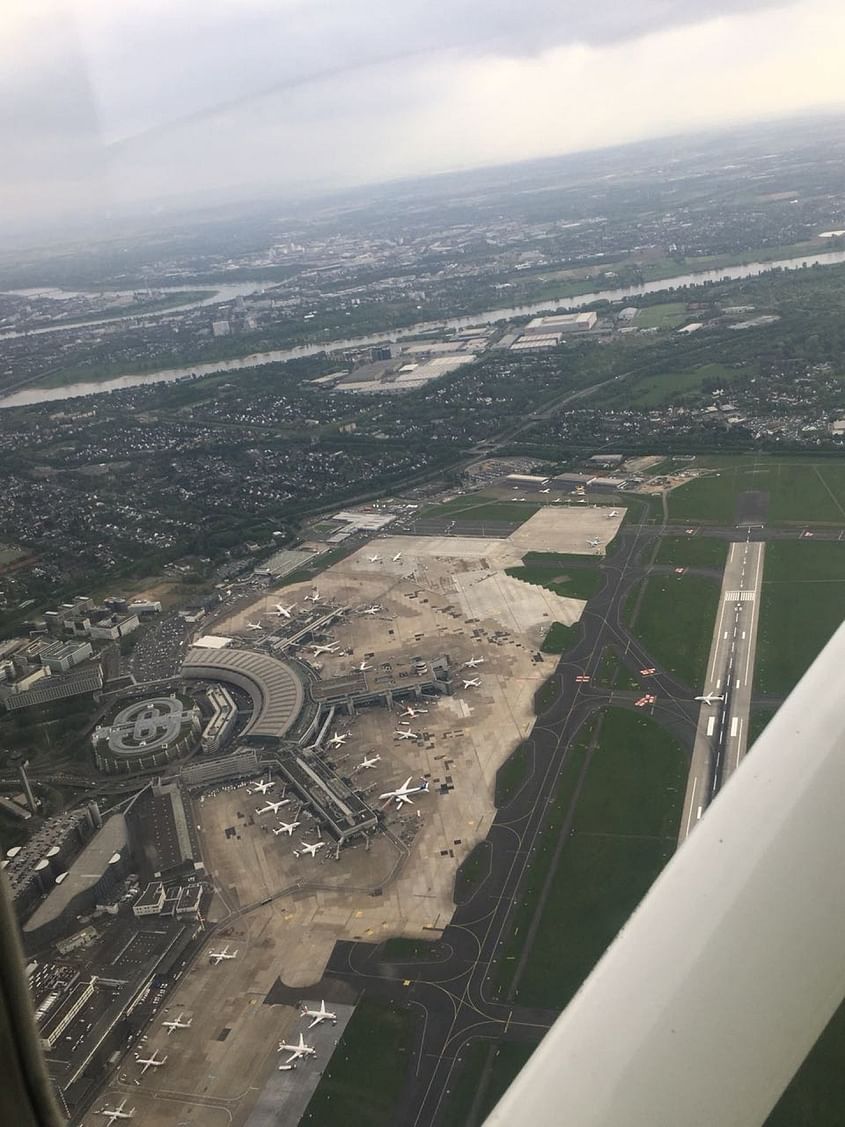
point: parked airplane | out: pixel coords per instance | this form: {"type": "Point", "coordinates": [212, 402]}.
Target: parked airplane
{"type": "Point", "coordinates": [363, 667]}
{"type": "Point", "coordinates": [296, 1051]}
{"type": "Point", "coordinates": [593, 541]}
{"type": "Point", "coordinates": [322, 1014]}
{"type": "Point", "coordinates": [217, 957]}
{"type": "Point", "coordinates": [397, 558]}
{"type": "Point", "coordinates": [330, 648]}
{"type": "Point", "coordinates": [374, 609]}
{"type": "Point", "coordinates": [473, 662]}
{"type": "Point", "coordinates": [374, 559]}
{"type": "Point", "coordinates": [150, 1062]}
{"type": "Point", "coordinates": [710, 698]}
{"type": "Point", "coordinates": [473, 683]}
{"type": "Point", "coordinates": [544, 490]}
{"type": "Point", "coordinates": [284, 612]}
{"type": "Point", "coordinates": [275, 807]}
{"type": "Point", "coordinates": [412, 712]}
{"type": "Point", "coordinates": [613, 513]}
{"type": "Point", "coordinates": [401, 794]}
{"type": "Point", "coordinates": [338, 740]}
{"type": "Point", "coordinates": [113, 1113]}
{"type": "Point", "coordinates": [255, 626]}
{"type": "Point", "coordinates": [366, 763]}
{"type": "Point", "coordinates": [314, 597]}
{"type": "Point", "coordinates": [177, 1023]}
{"type": "Point", "coordinates": [286, 828]}
{"type": "Point", "coordinates": [406, 734]}
{"type": "Point", "coordinates": [311, 850]}
{"type": "Point", "coordinates": [262, 788]}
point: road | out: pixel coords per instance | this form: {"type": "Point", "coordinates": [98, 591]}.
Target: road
{"type": "Point", "coordinates": [721, 737]}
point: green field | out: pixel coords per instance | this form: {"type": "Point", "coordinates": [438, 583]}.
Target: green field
{"type": "Point", "coordinates": [555, 573]}
{"type": "Point", "coordinates": [800, 491]}
{"type": "Point", "coordinates": [666, 315]}
{"type": "Point", "coordinates": [692, 551]}
{"type": "Point", "coordinates": [653, 391]}
{"type": "Point", "coordinates": [363, 1082]}
{"type": "Point", "coordinates": [758, 721]}
{"type": "Point", "coordinates": [612, 673]}
{"type": "Point", "coordinates": [673, 616]}
{"type": "Point", "coordinates": [480, 508]}
{"type": "Point", "coordinates": [487, 1069]}
{"type": "Point", "coordinates": [558, 639]}
{"type": "Point", "coordinates": [816, 1096]}
{"type": "Point", "coordinates": [9, 553]}
{"type": "Point", "coordinates": [803, 602]}
{"type": "Point", "coordinates": [624, 830]}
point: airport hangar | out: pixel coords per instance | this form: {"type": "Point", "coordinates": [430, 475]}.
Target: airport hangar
{"type": "Point", "coordinates": [292, 712]}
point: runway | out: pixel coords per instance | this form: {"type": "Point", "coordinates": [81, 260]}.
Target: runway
{"type": "Point", "coordinates": [721, 737]}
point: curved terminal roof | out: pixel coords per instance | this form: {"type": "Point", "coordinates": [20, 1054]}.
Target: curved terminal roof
{"type": "Point", "coordinates": [276, 691]}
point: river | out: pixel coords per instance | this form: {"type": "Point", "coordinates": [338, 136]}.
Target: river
{"type": "Point", "coordinates": [31, 395]}
{"type": "Point", "coordinates": [218, 294]}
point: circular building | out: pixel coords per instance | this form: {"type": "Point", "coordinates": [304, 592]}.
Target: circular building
{"type": "Point", "coordinates": [146, 735]}
{"type": "Point", "coordinates": [273, 686]}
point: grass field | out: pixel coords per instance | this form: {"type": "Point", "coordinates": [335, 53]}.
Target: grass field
{"type": "Point", "coordinates": [800, 490]}
{"type": "Point", "coordinates": [758, 721]}
{"type": "Point", "coordinates": [486, 1072]}
{"type": "Point", "coordinates": [624, 830]}
{"type": "Point", "coordinates": [673, 617]}
{"type": "Point", "coordinates": [9, 553]}
{"type": "Point", "coordinates": [692, 551]}
{"type": "Point", "coordinates": [612, 674]}
{"type": "Point", "coordinates": [666, 315]}
{"type": "Point", "coordinates": [816, 1096]}
{"type": "Point", "coordinates": [803, 602]}
{"type": "Point", "coordinates": [363, 1082]}
{"type": "Point", "coordinates": [652, 391]}
{"type": "Point", "coordinates": [558, 639]}
{"type": "Point", "coordinates": [555, 573]}
{"type": "Point", "coordinates": [480, 508]}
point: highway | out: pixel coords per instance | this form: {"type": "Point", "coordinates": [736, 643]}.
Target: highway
{"type": "Point", "coordinates": [721, 737]}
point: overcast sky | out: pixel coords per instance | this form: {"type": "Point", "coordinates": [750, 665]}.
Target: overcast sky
{"type": "Point", "coordinates": [116, 101]}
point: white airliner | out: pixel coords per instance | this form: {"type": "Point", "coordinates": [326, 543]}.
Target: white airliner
{"type": "Point", "coordinates": [593, 542]}
{"type": "Point", "coordinates": [113, 1113]}
{"type": "Point", "coordinates": [329, 648]}
{"type": "Point", "coordinates": [150, 1062]}
{"type": "Point", "coordinates": [363, 667]}
{"type": "Point", "coordinates": [284, 612]}
{"type": "Point", "coordinates": [374, 559]}
{"type": "Point", "coordinates": [314, 597]}
{"type": "Point", "coordinates": [296, 1051]}
{"type": "Point", "coordinates": [338, 740]}
{"type": "Point", "coordinates": [177, 1023]}
{"type": "Point", "coordinates": [473, 683]}
{"type": "Point", "coordinates": [273, 807]}
{"type": "Point", "coordinates": [710, 698]}
{"type": "Point", "coordinates": [366, 763]}
{"type": "Point", "coordinates": [473, 662]}
{"type": "Point", "coordinates": [613, 513]}
{"type": "Point", "coordinates": [545, 490]}
{"type": "Point", "coordinates": [401, 794]}
{"type": "Point", "coordinates": [406, 734]}
{"type": "Point", "coordinates": [262, 788]}
{"type": "Point", "coordinates": [217, 957]}
{"type": "Point", "coordinates": [322, 1014]}
{"type": "Point", "coordinates": [311, 850]}
{"type": "Point", "coordinates": [412, 712]}
{"type": "Point", "coordinates": [254, 626]}
{"type": "Point", "coordinates": [286, 828]}
{"type": "Point", "coordinates": [374, 609]}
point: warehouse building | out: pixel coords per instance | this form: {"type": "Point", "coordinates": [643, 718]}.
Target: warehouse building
{"type": "Point", "coordinates": [527, 482]}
